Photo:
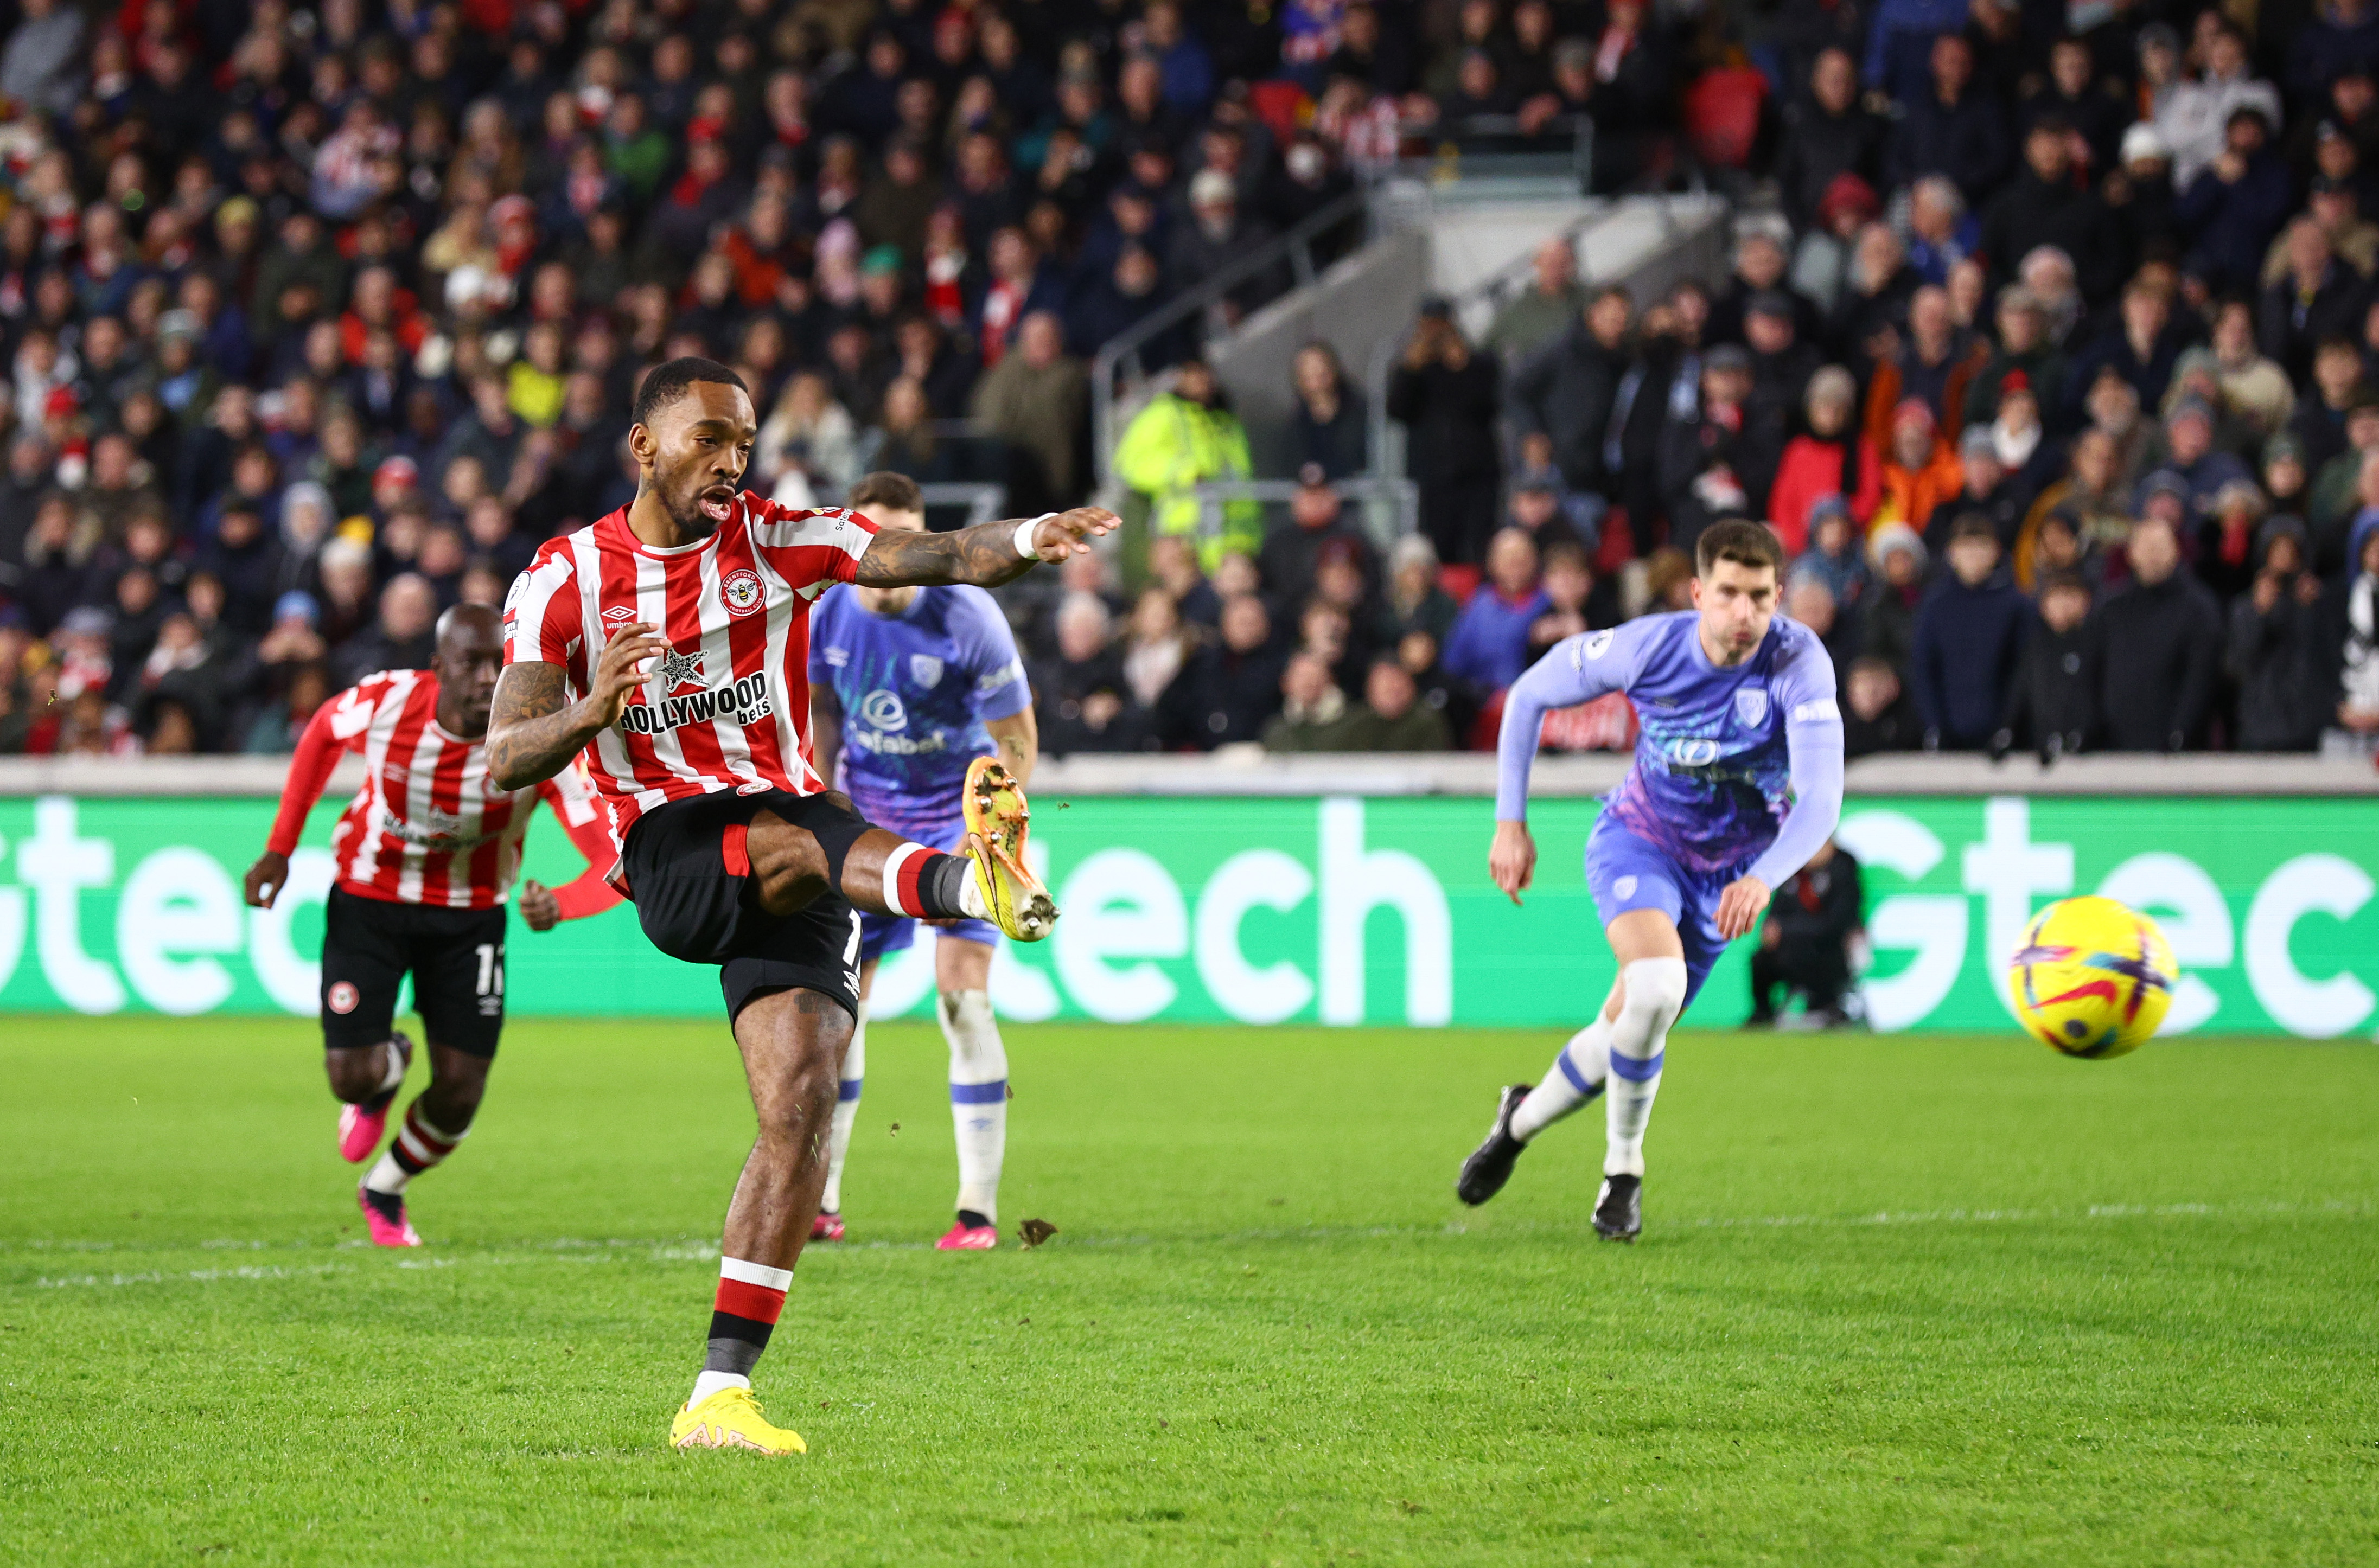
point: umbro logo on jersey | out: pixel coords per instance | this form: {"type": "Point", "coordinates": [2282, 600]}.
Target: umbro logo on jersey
{"type": "Point", "coordinates": [618, 613]}
{"type": "Point", "coordinates": [680, 669]}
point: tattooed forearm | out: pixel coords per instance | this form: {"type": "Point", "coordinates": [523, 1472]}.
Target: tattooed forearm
{"type": "Point", "coordinates": [984, 555]}
{"type": "Point", "coordinates": [534, 730]}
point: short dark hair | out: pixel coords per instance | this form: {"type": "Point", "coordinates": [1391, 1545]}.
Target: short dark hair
{"type": "Point", "coordinates": [893, 492]}
{"type": "Point", "coordinates": [2062, 582]}
{"type": "Point", "coordinates": [666, 382]}
{"type": "Point", "coordinates": [1745, 544]}
{"type": "Point", "coordinates": [1973, 525]}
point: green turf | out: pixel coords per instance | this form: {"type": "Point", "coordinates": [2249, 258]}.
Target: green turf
{"type": "Point", "coordinates": [1898, 1302]}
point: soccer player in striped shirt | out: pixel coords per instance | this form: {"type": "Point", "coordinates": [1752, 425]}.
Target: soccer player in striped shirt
{"type": "Point", "coordinates": [669, 643]}
{"type": "Point", "coordinates": [424, 856]}
{"type": "Point", "coordinates": [1737, 780]}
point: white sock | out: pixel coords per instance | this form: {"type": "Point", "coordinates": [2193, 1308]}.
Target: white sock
{"type": "Point", "coordinates": [846, 1112]}
{"type": "Point", "coordinates": [1575, 1077]}
{"type": "Point", "coordinates": [978, 1096]}
{"type": "Point", "coordinates": [1656, 995]}
{"type": "Point", "coordinates": [707, 1383]}
{"type": "Point", "coordinates": [970, 897]}
{"type": "Point", "coordinates": [386, 1175]}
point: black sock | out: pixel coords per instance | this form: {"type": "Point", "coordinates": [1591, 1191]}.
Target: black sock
{"type": "Point", "coordinates": [971, 1220]}
{"type": "Point", "coordinates": [732, 1352]}
{"type": "Point", "coordinates": [941, 884]}
{"type": "Point", "coordinates": [389, 1206]}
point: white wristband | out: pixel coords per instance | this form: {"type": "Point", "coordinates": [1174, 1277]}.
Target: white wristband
{"type": "Point", "coordinates": [1025, 532]}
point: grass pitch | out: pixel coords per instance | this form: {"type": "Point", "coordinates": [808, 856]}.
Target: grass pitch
{"type": "Point", "coordinates": [1898, 1301]}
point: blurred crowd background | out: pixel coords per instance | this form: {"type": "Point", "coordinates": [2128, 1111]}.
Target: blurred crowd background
{"type": "Point", "coordinates": [2047, 344]}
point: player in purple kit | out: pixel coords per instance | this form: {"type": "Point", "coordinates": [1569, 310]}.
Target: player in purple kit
{"type": "Point", "coordinates": [907, 687]}
{"type": "Point", "coordinates": [1738, 780]}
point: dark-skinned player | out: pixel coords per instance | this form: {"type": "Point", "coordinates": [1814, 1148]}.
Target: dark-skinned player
{"type": "Point", "coordinates": [424, 855]}
{"type": "Point", "coordinates": [669, 643]}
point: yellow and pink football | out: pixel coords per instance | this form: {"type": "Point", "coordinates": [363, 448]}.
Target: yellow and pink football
{"type": "Point", "coordinates": [2092, 978]}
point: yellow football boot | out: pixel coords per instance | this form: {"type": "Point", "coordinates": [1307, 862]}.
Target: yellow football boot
{"type": "Point", "coordinates": [996, 820]}
{"type": "Point", "coordinates": [731, 1419]}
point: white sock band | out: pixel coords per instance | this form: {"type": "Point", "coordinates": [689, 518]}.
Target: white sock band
{"type": "Point", "coordinates": [707, 1383]}
{"type": "Point", "coordinates": [394, 1079]}
{"type": "Point", "coordinates": [892, 864]}
{"type": "Point", "coordinates": [1639, 1036]}
{"type": "Point", "coordinates": [745, 1272]}
{"type": "Point", "coordinates": [978, 1096]}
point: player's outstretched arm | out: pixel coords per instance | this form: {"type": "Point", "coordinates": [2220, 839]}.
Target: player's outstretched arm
{"type": "Point", "coordinates": [310, 766]}
{"type": "Point", "coordinates": [1575, 669]}
{"type": "Point", "coordinates": [985, 555]}
{"type": "Point", "coordinates": [535, 730]}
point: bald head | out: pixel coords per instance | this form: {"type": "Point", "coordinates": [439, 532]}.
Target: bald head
{"type": "Point", "coordinates": [470, 655]}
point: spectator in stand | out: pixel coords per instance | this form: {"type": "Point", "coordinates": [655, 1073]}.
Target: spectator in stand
{"type": "Point", "coordinates": [1083, 697]}
{"type": "Point", "coordinates": [1919, 471]}
{"type": "Point", "coordinates": [1330, 424]}
{"type": "Point", "coordinates": [2349, 649]}
{"type": "Point", "coordinates": [1156, 646]}
{"type": "Point", "coordinates": [402, 638]}
{"type": "Point", "coordinates": [1545, 310]}
{"type": "Point", "coordinates": [1230, 688]}
{"type": "Point", "coordinates": [1888, 626]}
{"type": "Point", "coordinates": [1415, 598]}
{"type": "Point", "coordinates": [1570, 392]}
{"type": "Point", "coordinates": [1393, 718]}
{"type": "Point", "coordinates": [1941, 232]}
{"type": "Point", "coordinates": [1933, 365]}
{"type": "Point", "coordinates": [1712, 465]}
{"type": "Point", "coordinates": [1537, 508]}
{"type": "Point", "coordinates": [1446, 396]}
{"type": "Point", "coordinates": [1877, 712]}
{"type": "Point", "coordinates": [2231, 211]}
{"type": "Point", "coordinates": [1313, 714]}
{"type": "Point", "coordinates": [1489, 644]}
{"type": "Point", "coordinates": [1219, 235]}
{"type": "Point", "coordinates": [1970, 633]}
{"type": "Point", "coordinates": [2050, 706]}
{"type": "Point", "coordinates": [2141, 350]}
{"type": "Point", "coordinates": [1950, 127]}
{"type": "Point", "coordinates": [2044, 205]}
{"type": "Point", "coordinates": [2157, 649]}
{"type": "Point", "coordinates": [1827, 134]}
{"type": "Point", "coordinates": [2275, 651]}
{"type": "Point", "coordinates": [1173, 566]}
{"type": "Point", "coordinates": [1288, 560]}
{"type": "Point", "coordinates": [2201, 466]}
{"type": "Point", "coordinates": [1183, 439]}
{"type": "Point", "coordinates": [2091, 506]}
{"type": "Point", "coordinates": [1828, 460]}
{"type": "Point", "coordinates": [1572, 601]}
{"type": "Point", "coordinates": [1037, 399]}
{"type": "Point", "coordinates": [2314, 297]}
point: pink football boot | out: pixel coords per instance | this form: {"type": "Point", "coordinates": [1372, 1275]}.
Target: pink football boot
{"type": "Point", "coordinates": [359, 1131]}
{"type": "Point", "coordinates": [964, 1238]}
{"type": "Point", "coordinates": [828, 1227]}
{"type": "Point", "coordinates": [386, 1231]}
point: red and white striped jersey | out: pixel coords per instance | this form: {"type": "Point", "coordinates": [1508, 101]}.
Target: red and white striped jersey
{"type": "Point", "coordinates": [728, 707]}
{"type": "Point", "coordinates": [428, 826]}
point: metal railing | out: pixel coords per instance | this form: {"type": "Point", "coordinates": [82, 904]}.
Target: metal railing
{"type": "Point", "coordinates": [1498, 147]}
{"type": "Point", "coordinates": [1390, 508]}
{"type": "Point", "coordinates": [982, 502]}
{"type": "Point", "coordinates": [1296, 246]}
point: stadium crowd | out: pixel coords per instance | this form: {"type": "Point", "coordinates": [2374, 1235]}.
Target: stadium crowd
{"type": "Point", "coordinates": [2049, 347]}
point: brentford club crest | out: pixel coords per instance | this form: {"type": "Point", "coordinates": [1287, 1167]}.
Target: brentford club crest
{"type": "Point", "coordinates": [740, 591]}
{"type": "Point", "coordinates": [343, 997]}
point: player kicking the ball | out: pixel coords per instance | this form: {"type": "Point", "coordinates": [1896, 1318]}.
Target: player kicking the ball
{"type": "Point", "coordinates": [1737, 780]}
{"type": "Point", "coordinates": [669, 641]}
{"type": "Point", "coordinates": [425, 852]}
{"type": "Point", "coordinates": [918, 695]}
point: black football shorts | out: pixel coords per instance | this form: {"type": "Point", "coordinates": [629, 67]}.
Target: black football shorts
{"type": "Point", "coordinates": [456, 959]}
{"type": "Point", "coordinates": [691, 878]}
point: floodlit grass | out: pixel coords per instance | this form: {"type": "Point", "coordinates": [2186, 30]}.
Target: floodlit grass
{"type": "Point", "coordinates": [1898, 1301]}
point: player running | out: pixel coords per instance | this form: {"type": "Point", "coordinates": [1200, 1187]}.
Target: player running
{"type": "Point", "coordinates": [669, 641]}
{"type": "Point", "coordinates": [1738, 780]}
{"type": "Point", "coordinates": [425, 852]}
{"type": "Point", "coordinates": [909, 688]}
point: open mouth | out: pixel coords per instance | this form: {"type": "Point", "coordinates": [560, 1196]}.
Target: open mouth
{"type": "Point", "coordinates": [717, 503]}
